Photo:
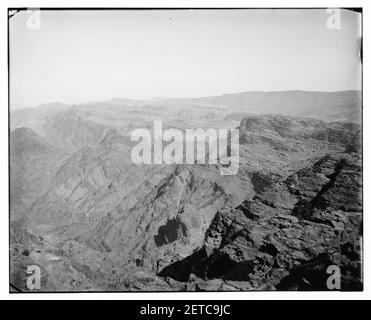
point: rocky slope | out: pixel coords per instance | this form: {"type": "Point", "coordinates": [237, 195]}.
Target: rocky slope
{"type": "Point", "coordinates": [286, 236]}
{"type": "Point", "coordinates": [70, 131]}
{"type": "Point", "coordinates": [32, 164]}
{"type": "Point", "coordinates": [101, 223]}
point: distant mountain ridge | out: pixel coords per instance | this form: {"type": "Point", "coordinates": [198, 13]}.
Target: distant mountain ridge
{"type": "Point", "coordinates": [339, 105]}
{"type": "Point", "coordinates": [212, 112]}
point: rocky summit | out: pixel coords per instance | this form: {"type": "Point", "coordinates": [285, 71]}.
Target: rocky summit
{"type": "Point", "coordinates": [91, 220]}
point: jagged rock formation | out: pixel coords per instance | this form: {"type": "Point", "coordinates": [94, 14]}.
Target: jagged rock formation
{"type": "Point", "coordinates": [287, 236]}
{"type": "Point", "coordinates": [168, 223]}
{"type": "Point", "coordinates": [94, 221]}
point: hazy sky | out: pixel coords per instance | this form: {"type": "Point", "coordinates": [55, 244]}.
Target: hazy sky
{"type": "Point", "coordinates": [79, 56]}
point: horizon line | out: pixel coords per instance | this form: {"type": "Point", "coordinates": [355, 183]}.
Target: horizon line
{"type": "Point", "coordinates": [173, 98]}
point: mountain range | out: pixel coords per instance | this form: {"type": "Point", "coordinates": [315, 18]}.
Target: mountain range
{"type": "Point", "coordinates": [92, 220]}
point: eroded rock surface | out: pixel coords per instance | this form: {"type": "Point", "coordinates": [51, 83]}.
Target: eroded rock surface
{"type": "Point", "coordinates": [288, 235]}
{"type": "Point", "coordinates": [92, 220]}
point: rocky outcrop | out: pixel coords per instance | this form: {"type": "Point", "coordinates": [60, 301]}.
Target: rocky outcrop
{"type": "Point", "coordinates": [168, 223]}
{"type": "Point", "coordinates": [288, 234]}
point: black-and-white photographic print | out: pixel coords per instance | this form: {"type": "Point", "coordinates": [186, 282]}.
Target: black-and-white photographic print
{"type": "Point", "coordinates": [185, 149]}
